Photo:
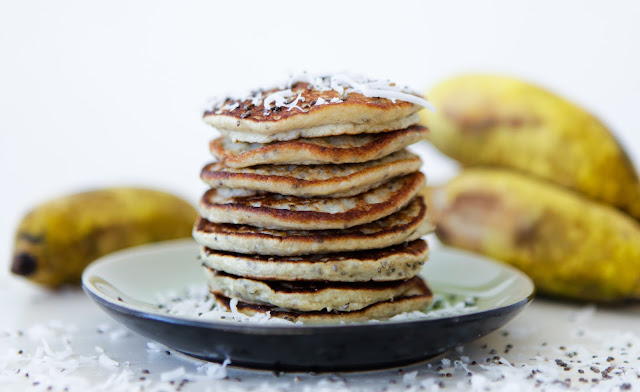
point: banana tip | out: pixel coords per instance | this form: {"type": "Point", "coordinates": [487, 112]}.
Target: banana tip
{"type": "Point", "coordinates": [23, 264]}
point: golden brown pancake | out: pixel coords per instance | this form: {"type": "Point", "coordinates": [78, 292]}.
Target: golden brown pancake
{"type": "Point", "coordinates": [313, 151]}
{"type": "Point", "coordinates": [303, 107]}
{"type": "Point", "coordinates": [313, 180]}
{"type": "Point", "coordinates": [322, 131]}
{"type": "Point", "coordinates": [408, 224]}
{"type": "Point", "coordinates": [310, 295]}
{"type": "Point", "coordinates": [402, 261]}
{"type": "Point", "coordinates": [275, 211]}
{"type": "Point", "coordinates": [417, 299]}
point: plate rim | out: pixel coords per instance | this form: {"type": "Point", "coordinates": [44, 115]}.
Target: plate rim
{"type": "Point", "coordinates": [92, 292]}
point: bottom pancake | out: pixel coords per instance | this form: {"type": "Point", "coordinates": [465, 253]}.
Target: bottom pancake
{"type": "Point", "coordinates": [417, 299]}
{"type": "Point", "coordinates": [397, 262]}
{"type": "Point", "coordinates": [310, 296]}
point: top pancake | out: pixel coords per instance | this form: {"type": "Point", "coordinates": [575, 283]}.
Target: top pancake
{"type": "Point", "coordinates": [322, 130]}
{"type": "Point", "coordinates": [309, 151]}
{"type": "Point", "coordinates": [330, 101]}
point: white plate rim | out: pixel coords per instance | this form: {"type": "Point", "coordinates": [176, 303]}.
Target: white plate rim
{"type": "Point", "coordinates": [89, 276]}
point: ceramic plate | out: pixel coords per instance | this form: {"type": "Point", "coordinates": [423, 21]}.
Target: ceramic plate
{"type": "Point", "coordinates": [126, 285]}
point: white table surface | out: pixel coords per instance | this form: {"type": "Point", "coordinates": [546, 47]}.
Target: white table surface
{"type": "Point", "coordinates": [100, 94]}
{"type": "Point", "coordinates": [584, 339]}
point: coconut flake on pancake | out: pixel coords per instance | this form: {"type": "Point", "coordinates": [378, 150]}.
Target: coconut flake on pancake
{"type": "Point", "coordinates": [308, 102]}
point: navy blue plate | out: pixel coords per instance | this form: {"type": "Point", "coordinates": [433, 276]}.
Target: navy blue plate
{"type": "Point", "coordinates": [126, 284]}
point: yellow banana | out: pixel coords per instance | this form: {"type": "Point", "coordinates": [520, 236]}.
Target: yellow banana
{"type": "Point", "coordinates": [58, 239]}
{"type": "Point", "coordinates": [500, 121]}
{"type": "Point", "coordinates": [569, 245]}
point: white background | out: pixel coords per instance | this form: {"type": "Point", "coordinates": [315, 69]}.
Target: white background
{"type": "Point", "coordinates": [95, 94]}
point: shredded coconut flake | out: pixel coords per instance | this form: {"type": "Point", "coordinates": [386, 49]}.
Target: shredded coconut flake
{"type": "Point", "coordinates": [233, 304]}
{"type": "Point", "coordinates": [215, 370]}
{"type": "Point", "coordinates": [196, 302]}
{"type": "Point", "coordinates": [153, 347]}
{"type": "Point", "coordinates": [57, 355]}
{"type": "Point", "coordinates": [173, 375]}
{"type": "Point", "coordinates": [294, 104]}
{"type": "Point", "coordinates": [106, 361]}
{"type": "Point", "coordinates": [256, 98]}
{"type": "Point", "coordinates": [410, 377]}
{"type": "Point", "coordinates": [118, 334]}
{"type": "Point", "coordinates": [278, 99]}
{"type": "Point", "coordinates": [567, 354]}
{"type": "Point", "coordinates": [342, 84]}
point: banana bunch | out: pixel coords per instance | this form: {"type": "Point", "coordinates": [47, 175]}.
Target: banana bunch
{"type": "Point", "coordinates": [546, 187]}
{"type": "Point", "coordinates": [58, 239]}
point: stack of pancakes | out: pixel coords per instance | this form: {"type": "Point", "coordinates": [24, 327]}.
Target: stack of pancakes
{"type": "Point", "coordinates": [315, 210]}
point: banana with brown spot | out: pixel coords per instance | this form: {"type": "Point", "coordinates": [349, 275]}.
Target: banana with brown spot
{"type": "Point", "coordinates": [59, 238]}
{"type": "Point", "coordinates": [569, 245]}
{"type": "Point", "coordinates": [490, 120]}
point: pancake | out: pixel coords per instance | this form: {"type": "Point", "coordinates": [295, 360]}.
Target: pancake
{"type": "Point", "coordinates": [313, 180]}
{"type": "Point", "coordinates": [417, 299]}
{"type": "Point", "coordinates": [276, 211]}
{"type": "Point", "coordinates": [397, 262]}
{"type": "Point", "coordinates": [308, 296]}
{"type": "Point", "coordinates": [408, 224]}
{"type": "Point", "coordinates": [322, 131]}
{"type": "Point", "coordinates": [333, 102]}
{"type": "Point", "coordinates": [330, 149]}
